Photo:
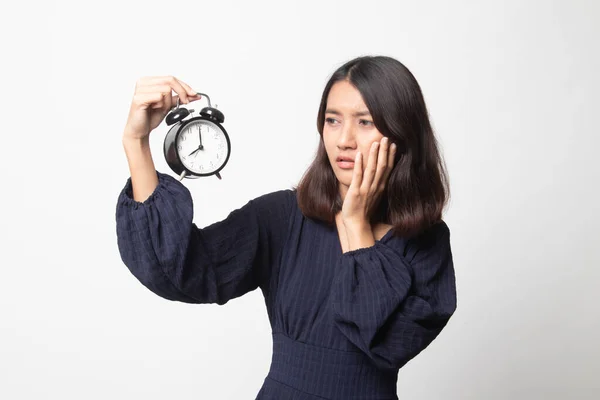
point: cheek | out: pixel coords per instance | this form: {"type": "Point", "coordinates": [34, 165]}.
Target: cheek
{"type": "Point", "coordinates": [327, 142]}
{"type": "Point", "coordinates": [365, 148]}
{"type": "Point", "coordinates": [368, 142]}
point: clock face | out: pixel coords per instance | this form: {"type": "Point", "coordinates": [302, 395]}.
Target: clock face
{"type": "Point", "coordinates": [202, 147]}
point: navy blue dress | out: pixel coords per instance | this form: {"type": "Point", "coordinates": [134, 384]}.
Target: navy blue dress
{"type": "Point", "coordinates": [342, 323]}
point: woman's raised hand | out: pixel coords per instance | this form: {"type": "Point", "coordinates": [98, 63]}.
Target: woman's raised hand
{"type": "Point", "coordinates": [152, 100]}
{"type": "Point", "coordinates": [366, 187]}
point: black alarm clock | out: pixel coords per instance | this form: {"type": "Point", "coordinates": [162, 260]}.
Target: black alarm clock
{"type": "Point", "coordinates": [197, 146]}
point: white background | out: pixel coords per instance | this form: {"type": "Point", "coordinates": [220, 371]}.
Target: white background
{"type": "Point", "coordinates": [512, 89]}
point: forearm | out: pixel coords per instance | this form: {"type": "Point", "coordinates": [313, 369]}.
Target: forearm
{"type": "Point", "coordinates": [359, 235]}
{"type": "Point", "coordinates": [141, 167]}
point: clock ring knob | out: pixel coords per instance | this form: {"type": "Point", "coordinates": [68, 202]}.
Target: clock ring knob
{"type": "Point", "coordinates": [177, 115]}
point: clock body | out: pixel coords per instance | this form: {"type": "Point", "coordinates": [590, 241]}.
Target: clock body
{"type": "Point", "coordinates": [197, 147]}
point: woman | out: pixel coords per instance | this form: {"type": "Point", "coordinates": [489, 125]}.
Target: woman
{"type": "Point", "coordinates": [354, 263]}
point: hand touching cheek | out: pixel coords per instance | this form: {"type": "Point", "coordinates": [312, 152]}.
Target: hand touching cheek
{"type": "Point", "coordinates": [367, 185]}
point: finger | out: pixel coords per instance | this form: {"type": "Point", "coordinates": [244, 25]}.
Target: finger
{"type": "Point", "coordinates": [192, 92]}
{"type": "Point", "coordinates": [171, 81]}
{"type": "Point", "coordinates": [173, 102]}
{"type": "Point", "coordinates": [146, 100]}
{"type": "Point", "coordinates": [382, 160]}
{"type": "Point", "coordinates": [179, 89]}
{"type": "Point", "coordinates": [390, 161]}
{"type": "Point", "coordinates": [164, 90]}
{"type": "Point", "coordinates": [153, 80]}
{"type": "Point", "coordinates": [356, 172]}
{"type": "Point", "coordinates": [167, 102]}
{"type": "Point", "coordinates": [159, 87]}
{"type": "Point", "coordinates": [371, 165]}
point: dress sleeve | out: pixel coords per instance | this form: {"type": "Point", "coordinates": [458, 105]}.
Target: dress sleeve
{"type": "Point", "coordinates": [171, 256]}
{"type": "Point", "coordinates": [392, 300]}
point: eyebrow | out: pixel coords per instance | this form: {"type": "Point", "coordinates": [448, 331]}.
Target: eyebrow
{"type": "Point", "coordinates": [356, 114]}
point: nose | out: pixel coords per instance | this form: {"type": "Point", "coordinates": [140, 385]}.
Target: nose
{"type": "Point", "coordinates": [346, 139]}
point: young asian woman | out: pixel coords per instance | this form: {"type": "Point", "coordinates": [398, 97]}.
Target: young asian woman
{"type": "Point", "coordinates": [354, 263]}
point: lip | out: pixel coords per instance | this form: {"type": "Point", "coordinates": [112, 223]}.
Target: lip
{"type": "Point", "coordinates": [344, 162]}
{"type": "Point", "coordinates": [344, 158]}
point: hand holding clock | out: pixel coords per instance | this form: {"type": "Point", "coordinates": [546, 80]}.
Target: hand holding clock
{"type": "Point", "coordinates": [152, 100]}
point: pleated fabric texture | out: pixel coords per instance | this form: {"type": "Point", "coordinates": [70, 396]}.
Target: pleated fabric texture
{"type": "Point", "coordinates": [343, 324]}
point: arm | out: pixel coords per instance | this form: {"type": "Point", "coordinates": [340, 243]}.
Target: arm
{"type": "Point", "coordinates": [392, 299]}
{"type": "Point", "coordinates": [141, 166]}
{"type": "Point", "coordinates": [175, 259]}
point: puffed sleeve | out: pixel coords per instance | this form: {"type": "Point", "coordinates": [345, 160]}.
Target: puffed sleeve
{"type": "Point", "coordinates": [171, 256]}
{"type": "Point", "coordinates": [392, 299]}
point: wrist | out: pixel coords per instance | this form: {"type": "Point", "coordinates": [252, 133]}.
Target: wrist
{"type": "Point", "coordinates": [135, 135]}
{"type": "Point", "coordinates": [359, 235]}
{"type": "Point", "coordinates": [132, 138]}
{"type": "Point", "coordinates": [135, 143]}
{"type": "Point", "coordinates": [356, 224]}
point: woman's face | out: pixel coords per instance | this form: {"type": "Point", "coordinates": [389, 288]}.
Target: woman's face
{"type": "Point", "coordinates": [348, 129]}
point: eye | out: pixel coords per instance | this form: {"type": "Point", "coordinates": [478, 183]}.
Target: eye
{"type": "Point", "coordinates": [329, 120]}
{"type": "Point", "coordinates": [368, 122]}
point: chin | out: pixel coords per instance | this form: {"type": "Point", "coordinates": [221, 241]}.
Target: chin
{"type": "Point", "coordinates": [343, 178]}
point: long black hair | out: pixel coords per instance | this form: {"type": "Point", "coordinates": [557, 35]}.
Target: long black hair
{"type": "Point", "coordinates": [417, 189]}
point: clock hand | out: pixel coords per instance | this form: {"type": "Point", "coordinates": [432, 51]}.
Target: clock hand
{"type": "Point", "coordinates": [200, 137]}
{"type": "Point", "coordinates": [200, 146]}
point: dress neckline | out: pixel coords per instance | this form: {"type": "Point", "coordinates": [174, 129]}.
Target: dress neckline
{"type": "Point", "coordinates": [387, 235]}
